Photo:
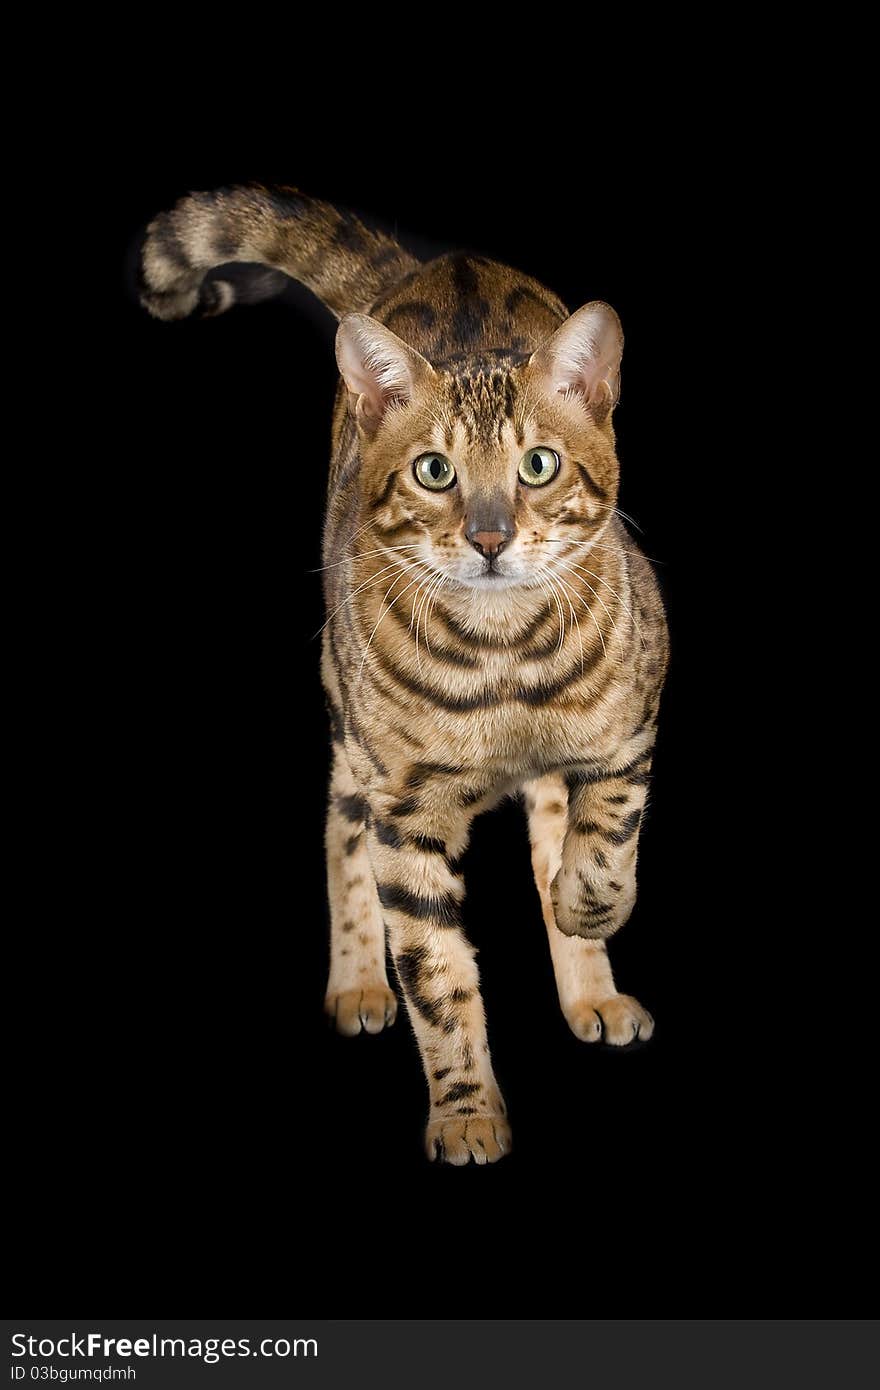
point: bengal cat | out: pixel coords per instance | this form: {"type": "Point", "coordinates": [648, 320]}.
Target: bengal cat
{"type": "Point", "coordinates": [491, 625]}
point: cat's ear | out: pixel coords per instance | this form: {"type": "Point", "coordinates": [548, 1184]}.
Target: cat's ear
{"type": "Point", "coordinates": [583, 356]}
{"type": "Point", "coordinates": [377, 367]}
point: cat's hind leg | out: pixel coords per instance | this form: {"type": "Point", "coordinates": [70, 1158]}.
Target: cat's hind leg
{"type": "Point", "coordinates": [358, 995]}
{"type": "Point", "coordinates": [588, 996]}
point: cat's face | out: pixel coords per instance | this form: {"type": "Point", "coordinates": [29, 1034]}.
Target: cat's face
{"type": "Point", "coordinates": [492, 474]}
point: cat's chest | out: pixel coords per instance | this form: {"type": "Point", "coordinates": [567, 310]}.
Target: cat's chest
{"type": "Point", "coordinates": [527, 727]}
{"type": "Point", "coordinates": [509, 716]}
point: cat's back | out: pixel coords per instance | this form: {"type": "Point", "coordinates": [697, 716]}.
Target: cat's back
{"type": "Point", "coordinates": [464, 304]}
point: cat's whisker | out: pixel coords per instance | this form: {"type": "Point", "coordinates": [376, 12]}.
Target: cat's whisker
{"type": "Point", "coordinates": [359, 532]}
{"type": "Point", "coordinates": [437, 419]}
{"type": "Point", "coordinates": [573, 615]}
{"type": "Point", "coordinates": [420, 599]}
{"type": "Point", "coordinates": [443, 578]}
{"type": "Point", "coordinates": [578, 626]}
{"type": "Point", "coordinates": [562, 622]}
{"type": "Point", "coordinates": [555, 596]}
{"type": "Point", "coordinates": [363, 555]}
{"type": "Point", "coordinates": [626, 516]}
{"type": "Point", "coordinates": [582, 600]}
{"type": "Point", "coordinates": [561, 642]}
{"type": "Point", "coordinates": [627, 610]}
{"type": "Point", "coordinates": [353, 595]}
{"type": "Point", "coordinates": [412, 617]}
{"type": "Point", "coordinates": [426, 606]}
{"type": "Point", "coordinates": [423, 596]}
{"type": "Point", "coordinates": [576, 569]}
{"type": "Point", "coordinates": [594, 545]}
{"type": "Point", "coordinates": [542, 585]}
{"type": "Point", "coordinates": [396, 564]}
{"type": "Point", "coordinates": [383, 614]}
{"type": "Point", "coordinates": [597, 545]}
{"type": "Point", "coordinates": [383, 611]}
{"type": "Point", "coordinates": [568, 563]}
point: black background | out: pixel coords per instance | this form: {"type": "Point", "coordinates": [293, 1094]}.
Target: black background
{"type": "Point", "coordinates": [196, 1116]}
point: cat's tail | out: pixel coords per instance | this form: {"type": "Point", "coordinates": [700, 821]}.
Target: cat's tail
{"type": "Point", "coordinates": [278, 232]}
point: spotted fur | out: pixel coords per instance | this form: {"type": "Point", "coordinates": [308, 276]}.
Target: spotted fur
{"type": "Point", "coordinates": [457, 669]}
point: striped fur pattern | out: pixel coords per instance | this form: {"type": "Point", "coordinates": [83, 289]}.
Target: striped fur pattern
{"type": "Point", "coordinates": [491, 637]}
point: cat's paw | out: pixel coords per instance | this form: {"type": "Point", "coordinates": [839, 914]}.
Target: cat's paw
{"type": "Point", "coordinates": [483, 1138]}
{"type": "Point", "coordinates": [578, 911]}
{"type": "Point", "coordinates": [354, 1009]}
{"type": "Point", "coordinates": [618, 1020]}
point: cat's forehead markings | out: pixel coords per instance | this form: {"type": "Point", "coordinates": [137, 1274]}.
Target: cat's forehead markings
{"type": "Point", "coordinates": [481, 448]}
{"type": "Point", "coordinates": [482, 403]}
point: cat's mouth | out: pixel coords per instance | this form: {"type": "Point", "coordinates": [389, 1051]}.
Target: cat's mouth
{"type": "Point", "coordinates": [490, 578]}
{"type": "Point", "coordinates": [492, 573]}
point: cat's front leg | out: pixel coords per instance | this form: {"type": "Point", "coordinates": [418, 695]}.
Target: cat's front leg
{"type": "Point", "coordinates": [584, 832]}
{"type": "Point", "coordinates": [413, 844]}
{"type": "Point", "coordinates": [358, 996]}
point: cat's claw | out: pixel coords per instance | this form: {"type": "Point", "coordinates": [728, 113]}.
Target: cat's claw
{"type": "Point", "coordinates": [483, 1138]}
{"type": "Point", "coordinates": [368, 1010]}
{"type": "Point", "coordinates": [585, 1023]}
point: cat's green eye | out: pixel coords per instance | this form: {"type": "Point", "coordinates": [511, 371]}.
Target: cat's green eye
{"type": "Point", "coordinates": [538, 466]}
{"type": "Point", "coordinates": [434, 471]}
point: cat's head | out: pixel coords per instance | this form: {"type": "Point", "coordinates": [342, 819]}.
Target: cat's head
{"type": "Point", "coordinates": [484, 468]}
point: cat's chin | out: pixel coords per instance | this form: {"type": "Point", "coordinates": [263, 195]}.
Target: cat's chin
{"type": "Point", "coordinates": [491, 582]}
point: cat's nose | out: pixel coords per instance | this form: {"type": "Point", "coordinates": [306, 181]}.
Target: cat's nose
{"type": "Point", "coordinates": [489, 524]}
{"type": "Point", "coordinates": [489, 543]}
